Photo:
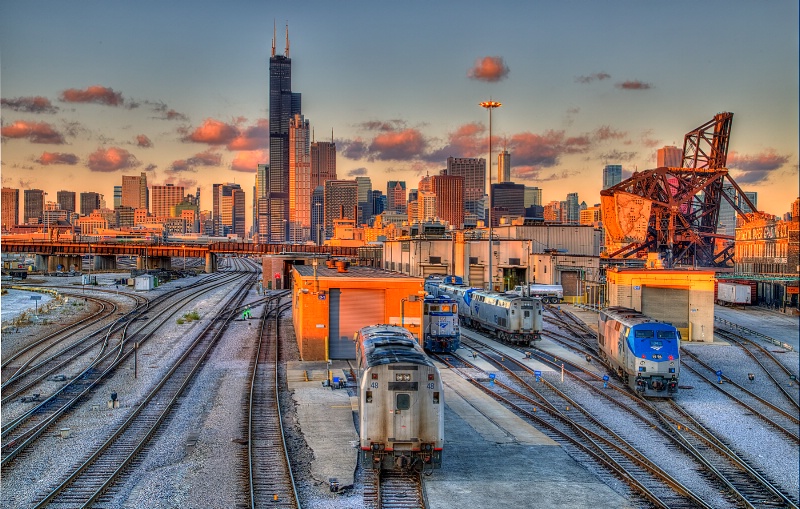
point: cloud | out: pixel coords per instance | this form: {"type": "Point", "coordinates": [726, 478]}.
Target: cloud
{"type": "Point", "coordinates": [398, 145]}
{"type": "Point", "coordinates": [352, 149]}
{"type": "Point", "coordinates": [466, 141]}
{"type": "Point", "coordinates": [36, 104]}
{"type": "Point", "coordinates": [95, 94]}
{"type": "Point", "coordinates": [143, 141]}
{"type": "Point", "coordinates": [377, 125]}
{"type": "Point", "coordinates": [598, 76]}
{"type": "Point", "coordinates": [489, 69]}
{"type": "Point", "coordinates": [617, 155]}
{"type": "Point", "coordinates": [252, 138]}
{"type": "Point", "coordinates": [213, 132]}
{"type": "Point", "coordinates": [357, 172]}
{"type": "Point", "coordinates": [186, 183]}
{"type": "Point", "coordinates": [111, 159]}
{"type": "Point", "coordinates": [758, 167]}
{"type": "Point", "coordinates": [544, 150]}
{"type": "Point", "coordinates": [167, 113]}
{"type": "Point", "coordinates": [248, 160]}
{"type": "Point", "coordinates": [633, 85]}
{"type": "Point", "coordinates": [57, 158]}
{"type": "Point", "coordinates": [605, 132]}
{"type": "Point", "coordinates": [648, 140]}
{"type": "Point", "coordinates": [535, 174]}
{"type": "Point", "coordinates": [35, 132]}
{"type": "Point", "coordinates": [207, 158]}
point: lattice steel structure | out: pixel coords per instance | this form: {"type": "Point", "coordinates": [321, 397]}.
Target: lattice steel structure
{"type": "Point", "coordinates": [684, 202]}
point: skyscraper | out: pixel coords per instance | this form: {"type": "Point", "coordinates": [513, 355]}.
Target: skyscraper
{"type": "Point", "coordinates": [260, 205]}
{"type": "Point", "coordinates": [323, 162]}
{"type": "Point", "coordinates": [134, 191]}
{"type": "Point", "coordinates": [671, 157]}
{"type": "Point", "coordinates": [396, 200]}
{"type": "Point", "coordinates": [117, 197]}
{"type": "Point", "coordinates": [573, 214]}
{"type": "Point", "coordinates": [533, 196]}
{"type": "Point", "coordinates": [510, 197]}
{"type": "Point", "coordinates": [229, 204]}
{"type": "Point", "coordinates": [34, 206]}
{"type": "Point", "coordinates": [318, 214]}
{"type": "Point", "coordinates": [504, 166]}
{"type": "Point", "coordinates": [364, 199]}
{"type": "Point", "coordinates": [66, 200]}
{"type": "Point", "coordinates": [299, 180]}
{"type": "Point", "coordinates": [283, 105]}
{"type": "Point", "coordinates": [726, 224]}
{"type": "Point", "coordinates": [90, 202]}
{"type": "Point", "coordinates": [474, 172]}
{"type": "Point", "coordinates": [449, 191]}
{"type": "Point", "coordinates": [612, 175]}
{"type": "Point", "coordinates": [10, 212]}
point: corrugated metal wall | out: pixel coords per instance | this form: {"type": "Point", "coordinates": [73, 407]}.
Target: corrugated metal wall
{"type": "Point", "coordinates": [351, 309]}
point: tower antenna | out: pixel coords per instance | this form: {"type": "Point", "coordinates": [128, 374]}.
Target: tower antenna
{"type": "Point", "coordinates": [287, 39]}
{"type": "Point", "coordinates": [274, 36]}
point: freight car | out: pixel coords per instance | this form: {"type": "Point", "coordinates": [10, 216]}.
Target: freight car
{"type": "Point", "coordinates": [510, 318]}
{"type": "Point", "coordinates": [644, 353]}
{"type": "Point", "coordinates": [400, 401]}
{"type": "Point", "coordinates": [440, 330]}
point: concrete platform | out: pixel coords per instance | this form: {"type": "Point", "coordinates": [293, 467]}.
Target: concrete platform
{"type": "Point", "coordinates": [326, 418]}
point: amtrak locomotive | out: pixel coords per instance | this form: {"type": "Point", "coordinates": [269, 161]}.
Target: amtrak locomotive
{"type": "Point", "coordinates": [400, 401]}
{"type": "Point", "coordinates": [643, 352]}
{"type": "Point", "coordinates": [440, 331]}
{"type": "Point", "coordinates": [508, 317]}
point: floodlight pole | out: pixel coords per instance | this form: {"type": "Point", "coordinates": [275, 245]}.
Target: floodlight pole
{"type": "Point", "coordinates": [490, 105]}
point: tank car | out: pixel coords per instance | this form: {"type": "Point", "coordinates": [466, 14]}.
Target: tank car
{"type": "Point", "coordinates": [440, 330]}
{"type": "Point", "coordinates": [510, 318]}
{"type": "Point", "coordinates": [400, 401]}
{"type": "Point", "coordinates": [644, 353]}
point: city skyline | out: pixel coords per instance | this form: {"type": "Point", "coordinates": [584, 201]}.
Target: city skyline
{"type": "Point", "coordinates": [96, 91]}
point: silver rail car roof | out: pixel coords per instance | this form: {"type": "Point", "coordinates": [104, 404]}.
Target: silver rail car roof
{"type": "Point", "coordinates": [391, 344]}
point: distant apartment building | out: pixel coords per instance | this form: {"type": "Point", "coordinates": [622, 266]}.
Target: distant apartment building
{"type": "Point", "coordinates": [592, 216]}
{"type": "Point", "coordinates": [117, 197]}
{"type": "Point", "coordinates": [341, 202]}
{"type": "Point", "coordinates": [90, 201]}
{"type": "Point", "coordinates": [165, 198]}
{"type": "Point", "coordinates": [426, 206]}
{"type": "Point", "coordinates": [33, 206]}
{"type": "Point", "coordinates": [364, 200]}
{"type": "Point", "coordinates": [378, 202]}
{"type": "Point", "coordinates": [229, 210]}
{"type": "Point", "coordinates": [10, 207]}
{"type": "Point", "coordinates": [66, 200]}
{"type": "Point", "coordinates": [670, 156]}
{"type": "Point", "coordinates": [449, 192]}
{"type": "Point", "coordinates": [474, 172]}
{"type": "Point", "coordinates": [396, 199]}
{"type": "Point", "coordinates": [612, 175]}
{"type": "Point", "coordinates": [573, 211]}
{"type": "Point", "coordinates": [554, 212]}
{"type": "Point", "coordinates": [509, 197]}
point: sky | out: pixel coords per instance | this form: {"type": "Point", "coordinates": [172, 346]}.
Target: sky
{"type": "Point", "coordinates": [95, 90]}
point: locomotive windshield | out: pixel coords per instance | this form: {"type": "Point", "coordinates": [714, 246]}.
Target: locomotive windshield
{"type": "Point", "coordinates": [643, 333]}
{"type": "Point", "coordinates": [666, 334]}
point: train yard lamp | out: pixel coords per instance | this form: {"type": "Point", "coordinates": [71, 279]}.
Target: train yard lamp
{"type": "Point", "coordinates": [490, 105]}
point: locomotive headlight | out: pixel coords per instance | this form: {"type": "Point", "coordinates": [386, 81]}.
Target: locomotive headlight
{"type": "Point", "coordinates": [402, 377]}
{"type": "Point", "coordinates": [641, 362]}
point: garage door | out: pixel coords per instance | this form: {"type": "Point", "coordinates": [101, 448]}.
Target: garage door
{"type": "Point", "coordinates": [569, 281]}
{"type": "Point", "coordinates": [667, 305]}
{"type": "Point", "coordinates": [476, 276]}
{"type": "Point", "coordinates": [350, 310]}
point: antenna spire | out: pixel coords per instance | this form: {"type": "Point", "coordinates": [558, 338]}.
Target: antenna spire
{"type": "Point", "coordinates": [274, 35]}
{"type": "Point", "coordinates": [287, 40]}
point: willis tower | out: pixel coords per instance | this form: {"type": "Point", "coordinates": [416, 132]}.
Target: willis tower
{"type": "Point", "coordinates": [283, 105]}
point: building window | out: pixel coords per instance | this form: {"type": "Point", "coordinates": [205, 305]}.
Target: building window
{"type": "Point", "coordinates": [473, 260]}
{"type": "Point", "coordinates": [513, 261]}
{"type": "Point", "coordinates": [435, 259]}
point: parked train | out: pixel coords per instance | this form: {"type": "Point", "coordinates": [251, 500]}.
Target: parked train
{"type": "Point", "coordinates": [550, 294]}
{"type": "Point", "coordinates": [440, 329]}
{"type": "Point", "coordinates": [400, 401]}
{"type": "Point", "coordinates": [508, 317]}
{"type": "Point", "coordinates": [645, 353]}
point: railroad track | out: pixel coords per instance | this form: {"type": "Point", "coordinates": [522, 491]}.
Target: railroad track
{"type": "Point", "coordinates": [270, 480]}
{"type": "Point", "coordinates": [94, 476]}
{"type": "Point", "coordinates": [23, 431]}
{"type": "Point", "coordinates": [738, 481]}
{"type": "Point", "coordinates": [393, 490]}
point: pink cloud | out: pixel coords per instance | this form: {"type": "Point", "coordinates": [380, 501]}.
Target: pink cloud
{"type": "Point", "coordinates": [535, 174]}
{"type": "Point", "coordinates": [143, 141]}
{"type": "Point", "coordinates": [398, 145]}
{"type": "Point", "coordinates": [544, 150]}
{"type": "Point", "coordinates": [634, 85]}
{"type": "Point", "coordinates": [605, 132]}
{"type": "Point", "coordinates": [94, 94]}
{"type": "Point", "coordinates": [111, 159]}
{"type": "Point", "coordinates": [757, 167]}
{"type": "Point", "coordinates": [36, 104]}
{"type": "Point", "coordinates": [489, 69]}
{"type": "Point", "coordinates": [213, 132]}
{"type": "Point", "coordinates": [57, 158]}
{"type": "Point", "coordinates": [248, 160]}
{"type": "Point", "coordinates": [252, 138]}
{"type": "Point", "coordinates": [35, 132]}
{"type": "Point", "coordinates": [466, 141]}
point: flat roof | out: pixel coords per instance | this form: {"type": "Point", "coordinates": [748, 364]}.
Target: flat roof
{"type": "Point", "coordinates": [353, 271]}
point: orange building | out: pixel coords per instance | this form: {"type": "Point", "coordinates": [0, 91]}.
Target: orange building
{"type": "Point", "coordinates": [330, 303]}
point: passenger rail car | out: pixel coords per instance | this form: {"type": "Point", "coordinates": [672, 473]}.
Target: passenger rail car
{"type": "Point", "coordinates": [400, 401]}
{"type": "Point", "coordinates": [645, 353]}
{"type": "Point", "coordinates": [508, 317]}
{"type": "Point", "coordinates": [440, 330]}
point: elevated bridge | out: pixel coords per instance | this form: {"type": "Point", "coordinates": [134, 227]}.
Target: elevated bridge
{"type": "Point", "coordinates": [49, 255]}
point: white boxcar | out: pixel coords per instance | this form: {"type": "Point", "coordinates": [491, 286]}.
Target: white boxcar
{"type": "Point", "coordinates": [732, 293]}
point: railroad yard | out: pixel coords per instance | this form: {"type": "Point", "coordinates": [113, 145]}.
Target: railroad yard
{"type": "Point", "coordinates": [166, 398]}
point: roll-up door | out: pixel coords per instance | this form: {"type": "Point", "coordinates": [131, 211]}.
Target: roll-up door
{"type": "Point", "coordinates": [476, 275]}
{"type": "Point", "coordinates": [667, 305]}
{"type": "Point", "coordinates": [429, 270]}
{"type": "Point", "coordinates": [569, 281]}
{"type": "Point", "coordinates": [350, 310]}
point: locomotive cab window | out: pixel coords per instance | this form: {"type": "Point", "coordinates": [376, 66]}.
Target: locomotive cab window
{"type": "Point", "coordinates": [643, 334]}
{"type": "Point", "coordinates": [666, 334]}
{"type": "Point", "coordinates": [403, 401]}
